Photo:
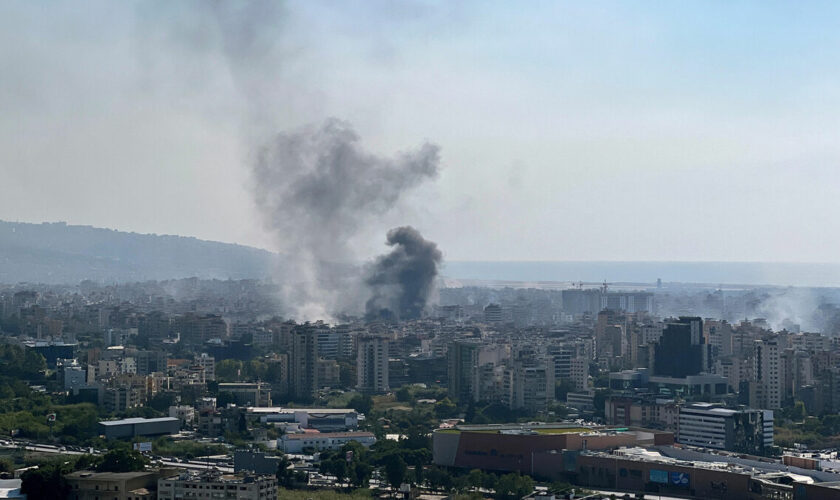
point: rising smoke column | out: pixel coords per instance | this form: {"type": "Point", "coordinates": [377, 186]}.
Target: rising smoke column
{"type": "Point", "coordinates": [316, 188]}
{"type": "Point", "coordinates": [402, 281]}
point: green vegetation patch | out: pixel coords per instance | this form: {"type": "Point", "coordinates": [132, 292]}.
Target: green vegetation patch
{"type": "Point", "coordinates": [322, 494]}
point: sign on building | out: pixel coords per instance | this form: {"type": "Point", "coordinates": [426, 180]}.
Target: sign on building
{"type": "Point", "coordinates": [145, 446]}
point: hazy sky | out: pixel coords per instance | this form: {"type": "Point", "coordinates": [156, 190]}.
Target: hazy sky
{"type": "Point", "coordinates": [568, 130]}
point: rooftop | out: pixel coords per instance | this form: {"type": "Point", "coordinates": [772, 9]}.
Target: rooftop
{"type": "Point", "coordinates": [311, 435]}
{"type": "Point", "coordinates": [278, 409]}
{"type": "Point", "coordinates": [106, 476]}
{"type": "Point", "coordinates": [206, 476]}
{"type": "Point", "coordinates": [535, 429]}
{"type": "Point", "coordinates": [138, 420]}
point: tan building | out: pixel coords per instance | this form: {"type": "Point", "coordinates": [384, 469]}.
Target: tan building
{"type": "Point", "coordinates": [579, 373]}
{"type": "Point", "coordinates": [88, 485]}
{"type": "Point", "coordinates": [213, 484]}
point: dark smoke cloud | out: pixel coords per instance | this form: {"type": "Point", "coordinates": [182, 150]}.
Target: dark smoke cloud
{"type": "Point", "coordinates": [403, 280]}
{"type": "Point", "coordinates": [316, 188]}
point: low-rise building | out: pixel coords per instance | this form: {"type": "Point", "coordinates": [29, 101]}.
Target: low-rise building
{"type": "Point", "coordinates": [89, 485]}
{"type": "Point", "coordinates": [131, 427]}
{"type": "Point", "coordinates": [213, 484]}
{"type": "Point", "coordinates": [520, 447]}
{"type": "Point", "coordinates": [651, 472]}
{"type": "Point", "coordinates": [256, 462]}
{"type": "Point", "coordinates": [712, 426]}
{"type": "Point", "coordinates": [186, 414]}
{"type": "Point", "coordinates": [296, 443]}
{"type": "Point", "coordinates": [583, 401]}
{"type": "Point", "coordinates": [322, 419]}
{"type": "Point", "coordinates": [248, 393]}
{"type": "Point", "coordinates": [642, 411]}
{"type": "Point", "coordinates": [10, 488]}
{"type": "Point", "coordinates": [210, 423]}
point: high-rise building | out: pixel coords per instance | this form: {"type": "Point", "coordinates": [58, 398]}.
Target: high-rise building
{"type": "Point", "coordinates": [462, 359]}
{"type": "Point", "coordinates": [533, 387]}
{"type": "Point", "coordinates": [579, 373]}
{"type": "Point", "coordinates": [372, 365]}
{"type": "Point", "coordinates": [580, 301]}
{"type": "Point", "coordinates": [303, 362]}
{"type": "Point", "coordinates": [719, 335]}
{"type": "Point", "coordinates": [681, 351]}
{"type": "Point", "coordinates": [768, 371]}
{"type": "Point", "coordinates": [493, 313]}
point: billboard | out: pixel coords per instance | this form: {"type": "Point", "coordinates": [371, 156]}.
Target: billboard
{"type": "Point", "coordinates": [680, 479]}
{"type": "Point", "coordinates": [658, 476]}
{"type": "Point", "coordinates": [143, 447]}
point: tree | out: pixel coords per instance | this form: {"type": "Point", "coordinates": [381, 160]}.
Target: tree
{"type": "Point", "coordinates": [360, 473]}
{"type": "Point", "coordinates": [47, 481]}
{"type": "Point", "coordinates": [562, 388]}
{"type": "Point", "coordinates": [475, 478]}
{"type": "Point", "coordinates": [229, 370]}
{"type": "Point", "coordinates": [20, 363]}
{"type": "Point", "coordinates": [513, 486]}
{"type": "Point", "coordinates": [416, 438]}
{"type": "Point", "coordinates": [225, 398]}
{"type": "Point", "coordinates": [362, 403]}
{"type": "Point", "coordinates": [395, 469]}
{"type": "Point", "coordinates": [287, 477]}
{"type": "Point", "coordinates": [798, 412]}
{"type": "Point", "coordinates": [403, 394]}
{"type": "Point", "coordinates": [88, 462]}
{"type": "Point", "coordinates": [445, 408]}
{"type": "Point", "coordinates": [418, 459]}
{"type": "Point", "coordinates": [122, 459]}
{"type": "Point", "coordinates": [346, 374]}
{"type": "Point", "coordinates": [336, 466]}
{"type": "Point", "coordinates": [439, 478]}
{"type": "Point", "coordinates": [162, 400]}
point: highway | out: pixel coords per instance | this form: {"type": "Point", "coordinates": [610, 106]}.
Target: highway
{"type": "Point", "coordinates": [62, 450]}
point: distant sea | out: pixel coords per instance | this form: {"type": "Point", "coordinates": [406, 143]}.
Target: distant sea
{"type": "Point", "coordinates": [712, 273]}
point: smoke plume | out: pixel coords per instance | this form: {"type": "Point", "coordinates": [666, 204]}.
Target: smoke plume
{"type": "Point", "coordinates": [403, 280]}
{"type": "Point", "coordinates": [316, 189]}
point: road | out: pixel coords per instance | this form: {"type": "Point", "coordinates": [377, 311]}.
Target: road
{"type": "Point", "coordinates": [167, 461]}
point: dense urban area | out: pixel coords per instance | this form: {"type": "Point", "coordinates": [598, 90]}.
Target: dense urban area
{"type": "Point", "coordinates": [193, 389]}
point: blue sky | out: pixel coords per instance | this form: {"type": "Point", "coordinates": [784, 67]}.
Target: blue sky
{"type": "Point", "coordinates": [569, 130]}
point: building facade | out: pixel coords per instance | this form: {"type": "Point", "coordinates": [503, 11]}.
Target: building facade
{"type": "Point", "coordinates": [372, 365]}
{"type": "Point", "coordinates": [212, 484]}
{"type": "Point", "coordinates": [711, 426]}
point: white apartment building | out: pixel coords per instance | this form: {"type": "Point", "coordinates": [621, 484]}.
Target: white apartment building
{"type": "Point", "coordinates": [296, 443]}
{"type": "Point", "coordinates": [209, 365]}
